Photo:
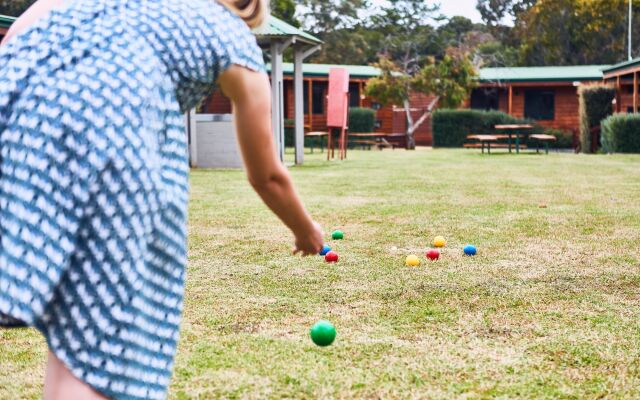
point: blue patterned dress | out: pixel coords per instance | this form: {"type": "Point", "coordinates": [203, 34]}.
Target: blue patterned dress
{"type": "Point", "coordinates": [94, 178]}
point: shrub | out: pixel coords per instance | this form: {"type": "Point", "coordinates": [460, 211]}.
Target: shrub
{"type": "Point", "coordinates": [289, 133]}
{"type": "Point", "coordinates": [451, 127]}
{"type": "Point", "coordinates": [621, 134]}
{"type": "Point", "coordinates": [361, 120]}
{"type": "Point", "coordinates": [595, 105]}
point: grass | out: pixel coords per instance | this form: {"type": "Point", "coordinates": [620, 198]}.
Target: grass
{"type": "Point", "coordinates": [549, 309]}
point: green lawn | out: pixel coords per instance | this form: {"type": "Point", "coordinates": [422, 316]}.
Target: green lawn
{"type": "Point", "coordinates": [550, 308]}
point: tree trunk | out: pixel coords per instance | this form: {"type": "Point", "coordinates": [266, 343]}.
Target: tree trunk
{"type": "Point", "coordinates": [411, 140]}
{"type": "Point", "coordinates": [412, 126]}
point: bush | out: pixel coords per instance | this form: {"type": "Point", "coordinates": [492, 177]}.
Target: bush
{"type": "Point", "coordinates": [621, 134]}
{"type": "Point", "coordinates": [451, 127]}
{"type": "Point", "coordinates": [361, 120]}
{"type": "Point", "coordinates": [595, 105]}
{"type": "Point", "coordinates": [289, 133]}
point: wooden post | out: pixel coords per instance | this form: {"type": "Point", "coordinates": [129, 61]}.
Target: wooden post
{"type": "Point", "coordinates": [299, 104]}
{"type": "Point", "coordinates": [618, 96]}
{"type": "Point", "coordinates": [360, 92]}
{"type": "Point", "coordinates": [192, 133]}
{"type": "Point", "coordinates": [635, 92]}
{"type": "Point", "coordinates": [510, 107]}
{"type": "Point", "coordinates": [277, 119]}
{"type": "Point", "coordinates": [310, 102]}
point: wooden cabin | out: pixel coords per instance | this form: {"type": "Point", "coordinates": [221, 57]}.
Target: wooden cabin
{"type": "Point", "coordinates": [548, 95]}
{"type": "Point", "coordinates": [5, 24]}
{"type": "Point", "coordinates": [389, 119]}
{"type": "Point", "coordinates": [624, 77]}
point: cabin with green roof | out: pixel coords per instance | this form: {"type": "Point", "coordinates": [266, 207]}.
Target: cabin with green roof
{"type": "Point", "coordinates": [5, 23]}
{"type": "Point", "coordinates": [624, 76]}
{"type": "Point", "coordinates": [548, 95]}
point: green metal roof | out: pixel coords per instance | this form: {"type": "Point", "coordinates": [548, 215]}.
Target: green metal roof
{"type": "Point", "coordinates": [6, 21]}
{"type": "Point", "coordinates": [275, 27]}
{"type": "Point", "coordinates": [356, 71]}
{"type": "Point", "coordinates": [540, 74]}
{"type": "Point", "coordinates": [622, 66]}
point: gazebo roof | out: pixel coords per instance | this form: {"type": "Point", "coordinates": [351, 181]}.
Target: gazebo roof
{"type": "Point", "coordinates": [322, 70]}
{"type": "Point", "coordinates": [6, 21]}
{"type": "Point", "coordinates": [275, 28]}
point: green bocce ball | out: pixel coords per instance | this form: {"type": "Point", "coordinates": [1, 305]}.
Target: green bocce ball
{"type": "Point", "coordinates": [337, 235]}
{"type": "Point", "coordinates": [323, 333]}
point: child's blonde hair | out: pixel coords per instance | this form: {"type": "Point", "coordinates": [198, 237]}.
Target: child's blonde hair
{"type": "Point", "coordinates": [253, 12]}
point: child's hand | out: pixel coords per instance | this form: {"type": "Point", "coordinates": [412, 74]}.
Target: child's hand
{"type": "Point", "coordinates": [311, 242]}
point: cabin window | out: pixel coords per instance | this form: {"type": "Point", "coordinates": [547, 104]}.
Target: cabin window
{"type": "Point", "coordinates": [354, 94]}
{"type": "Point", "coordinates": [540, 105]}
{"type": "Point", "coordinates": [318, 93]}
{"type": "Point", "coordinates": [485, 99]}
{"type": "Point", "coordinates": [305, 97]}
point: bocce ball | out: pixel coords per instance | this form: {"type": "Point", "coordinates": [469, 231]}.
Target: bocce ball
{"type": "Point", "coordinates": [331, 257]}
{"type": "Point", "coordinates": [323, 333]}
{"type": "Point", "coordinates": [470, 250]}
{"type": "Point", "coordinates": [337, 235]}
{"type": "Point", "coordinates": [325, 250]}
{"type": "Point", "coordinates": [433, 255]}
{"type": "Point", "coordinates": [439, 241]}
{"type": "Point", "coordinates": [412, 261]}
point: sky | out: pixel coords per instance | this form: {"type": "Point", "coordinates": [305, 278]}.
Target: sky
{"type": "Point", "coordinates": [466, 8]}
{"type": "Point", "coordinates": [450, 8]}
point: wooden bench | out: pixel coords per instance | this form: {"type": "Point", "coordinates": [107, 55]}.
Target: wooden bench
{"type": "Point", "coordinates": [319, 136]}
{"type": "Point", "coordinates": [484, 140]}
{"type": "Point", "coordinates": [541, 138]}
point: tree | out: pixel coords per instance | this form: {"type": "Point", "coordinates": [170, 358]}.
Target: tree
{"type": "Point", "coordinates": [493, 12]}
{"type": "Point", "coordinates": [285, 10]}
{"type": "Point", "coordinates": [575, 32]}
{"type": "Point", "coordinates": [450, 80]}
{"type": "Point", "coordinates": [14, 7]}
{"type": "Point", "coordinates": [337, 23]}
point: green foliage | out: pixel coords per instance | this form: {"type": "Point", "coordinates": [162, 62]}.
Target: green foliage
{"type": "Point", "coordinates": [14, 7]}
{"type": "Point", "coordinates": [361, 120]}
{"type": "Point", "coordinates": [451, 127]}
{"type": "Point", "coordinates": [595, 105]}
{"type": "Point", "coordinates": [451, 79]}
{"type": "Point", "coordinates": [285, 10]}
{"type": "Point", "coordinates": [392, 87]}
{"type": "Point", "coordinates": [621, 133]}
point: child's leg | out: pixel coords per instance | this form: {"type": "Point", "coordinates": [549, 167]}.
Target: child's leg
{"type": "Point", "coordinates": [59, 383]}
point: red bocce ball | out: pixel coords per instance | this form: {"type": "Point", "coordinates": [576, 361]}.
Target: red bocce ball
{"type": "Point", "coordinates": [433, 255]}
{"type": "Point", "coordinates": [331, 257]}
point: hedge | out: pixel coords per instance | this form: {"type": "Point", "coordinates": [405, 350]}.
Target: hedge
{"type": "Point", "coordinates": [451, 127]}
{"type": "Point", "coordinates": [621, 134]}
{"type": "Point", "coordinates": [595, 105]}
{"type": "Point", "coordinates": [362, 120]}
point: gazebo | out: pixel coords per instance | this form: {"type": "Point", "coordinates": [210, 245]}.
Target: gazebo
{"type": "Point", "coordinates": [5, 23]}
{"type": "Point", "coordinates": [276, 36]}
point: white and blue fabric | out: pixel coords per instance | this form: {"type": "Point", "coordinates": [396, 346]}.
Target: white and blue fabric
{"type": "Point", "coordinates": [94, 178]}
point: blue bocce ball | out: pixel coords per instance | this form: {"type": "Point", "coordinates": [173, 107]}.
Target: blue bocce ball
{"type": "Point", "coordinates": [325, 250]}
{"type": "Point", "coordinates": [470, 250]}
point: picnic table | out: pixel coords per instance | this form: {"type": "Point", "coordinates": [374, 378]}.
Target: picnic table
{"type": "Point", "coordinates": [371, 139]}
{"type": "Point", "coordinates": [320, 136]}
{"type": "Point", "coordinates": [514, 130]}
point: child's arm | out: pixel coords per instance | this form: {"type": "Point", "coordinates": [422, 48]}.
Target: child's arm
{"type": "Point", "coordinates": [251, 96]}
{"type": "Point", "coordinates": [37, 10]}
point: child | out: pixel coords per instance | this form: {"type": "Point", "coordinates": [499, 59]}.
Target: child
{"type": "Point", "coordinates": [94, 177]}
